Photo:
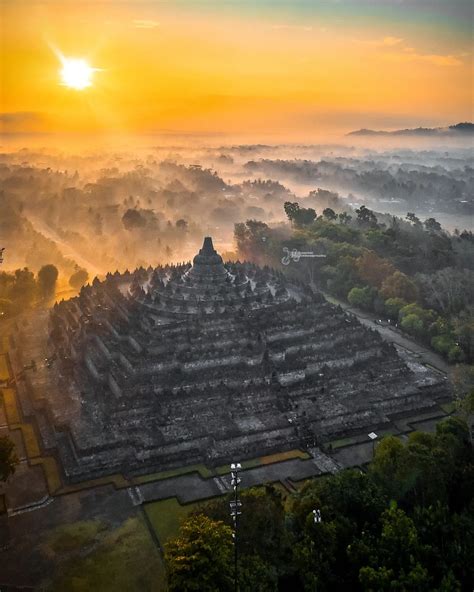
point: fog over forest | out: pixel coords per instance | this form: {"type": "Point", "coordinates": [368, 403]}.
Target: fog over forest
{"type": "Point", "coordinates": [107, 210]}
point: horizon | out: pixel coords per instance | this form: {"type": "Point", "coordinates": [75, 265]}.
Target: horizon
{"type": "Point", "coordinates": [289, 71]}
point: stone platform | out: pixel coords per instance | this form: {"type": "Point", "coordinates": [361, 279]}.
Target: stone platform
{"type": "Point", "coordinates": [204, 363]}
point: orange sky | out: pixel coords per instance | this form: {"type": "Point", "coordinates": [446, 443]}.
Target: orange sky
{"type": "Point", "coordinates": [285, 69]}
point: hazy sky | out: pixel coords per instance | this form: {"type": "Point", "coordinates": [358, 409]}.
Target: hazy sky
{"type": "Point", "coordinates": [289, 69]}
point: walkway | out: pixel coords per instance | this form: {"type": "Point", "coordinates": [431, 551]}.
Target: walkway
{"type": "Point", "coordinates": [393, 335]}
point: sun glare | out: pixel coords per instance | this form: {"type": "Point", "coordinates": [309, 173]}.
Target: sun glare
{"type": "Point", "coordinates": [76, 73]}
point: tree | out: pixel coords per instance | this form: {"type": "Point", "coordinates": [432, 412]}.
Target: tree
{"type": "Point", "coordinates": [465, 407]}
{"type": "Point", "coordinates": [181, 224]}
{"type": "Point", "coordinates": [426, 316]}
{"type": "Point", "coordinates": [448, 290]}
{"type": "Point", "coordinates": [200, 558]}
{"type": "Point", "coordinates": [374, 269]}
{"type": "Point", "coordinates": [395, 557]}
{"type": "Point", "coordinates": [253, 239]}
{"type": "Point", "coordinates": [413, 219]}
{"type": "Point", "coordinates": [362, 297]}
{"type": "Point", "coordinates": [342, 277]}
{"type": "Point", "coordinates": [78, 278]}
{"type": "Point", "coordinates": [133, 219]}
{"type": "Point", "coordinates": [398, 285]}
{"type": "Point", "coordinates": [442, 343]}
{"type": "Point", "coordinates": [47, 277]}
{"type": "Point", "coordinates": [412, 323]}
{"type": "Point", "coordinates": [344, 218]}
{"type": "Point", "coordinates": [366, 217]}
{"type": "Point", "coordinates": [305, 217]}
{"type": "Point", "coordinates": [299, 216]}
{"type": "Point", "coordinates": [432, 226]}
{"type": "Point", "coordinates": [8, 458]}
{"type": "Point", "coordinates": [393, 306]}
{"type": "Point", "coordinates": [24, 287]}
{"type": "Point", "coordinates": [315, 555]}
{"type": "Point", "coordinates": [390, 466]}
{"type": "Point", "coordinates": [329, 214]}
{"type": "Point", "coordinates": [291, 209]}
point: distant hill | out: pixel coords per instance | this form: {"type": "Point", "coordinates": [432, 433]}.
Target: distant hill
{"type": "Point", "coordinates": [460, 129]}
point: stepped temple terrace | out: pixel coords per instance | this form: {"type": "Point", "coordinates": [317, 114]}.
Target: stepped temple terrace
{"type": "Point", "coordinates": [206, 362]}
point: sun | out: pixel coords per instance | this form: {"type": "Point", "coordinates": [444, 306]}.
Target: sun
{"type": "Point", "coordinates": [76, 73]}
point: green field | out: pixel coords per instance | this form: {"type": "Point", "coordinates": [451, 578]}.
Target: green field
{"type": "Point", "coordinates": [342, 442]}
{"type": "Point", "coordinates": [449, 407]}
{"type": "Point", "coordinates": [4, 372]}
{"type": "Point", "coordinates": [265, 460]}
{"type": "Point", "coordinates": [201, 469]}
{"type": "Point", "coordinates": [166, 517]}
{"type": "Point", "coordinates": [89, 557]}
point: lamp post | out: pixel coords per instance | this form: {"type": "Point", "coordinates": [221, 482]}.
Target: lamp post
{"type": "Point", "coordinates": [235, 512]}
{"type": "Point", "coordinates": [317, 519]}
{"type": "Point", "coordinates": [373, 436]}
{"type": "Point", "coordinates": [317, 516]}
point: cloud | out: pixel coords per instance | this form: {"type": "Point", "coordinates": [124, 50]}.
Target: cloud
{"type": "Point", "coordinates": [411, 55]}
{"type": "Point", "coordinates": [19, 121]}
{"type": "Point", "coordinates": [145, 24]}
{"type": "Point", "coordinates": [388, 41]}
{"type": "Point", "coordinates": [293, 27]}
{"type": "Point", "coordinates": [391, 41]}
{"type": "Point", "coordinates": [395, 50]}
{"type": "Point", "coordinates": [19, 116]}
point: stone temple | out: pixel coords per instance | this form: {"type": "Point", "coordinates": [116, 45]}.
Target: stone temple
{"type": "Point", "coordinates": [205, 363]}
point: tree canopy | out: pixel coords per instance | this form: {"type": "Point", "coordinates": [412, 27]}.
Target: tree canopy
{"type": "Point", "coordinates": [8, 458]}
{"type": "Point", "coordinates": [406, 524]}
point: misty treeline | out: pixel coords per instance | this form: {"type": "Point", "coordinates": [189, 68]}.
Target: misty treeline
{"type": "Point", "coordinates": [406, 523]}
{"type": "Point", "coordinates": [447, 186]}
{"type": "Point", "coordinates": [408, 271]}
{"type": "Point", "coordinates": [123, 216]}
{"type": "Point", "coordinates": [116, 211]}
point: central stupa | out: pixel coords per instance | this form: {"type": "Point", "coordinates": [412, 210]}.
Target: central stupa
{"type": "Point", "coordinates": [208, 265]}
{"type": "Point", "coordinates": [209, 286]}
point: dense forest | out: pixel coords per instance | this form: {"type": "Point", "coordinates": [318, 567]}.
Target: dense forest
{"type": "Point", "coordinates": [446, 187]}
{"type": "Point", "coordinates": [410, 272]}
{"type": "Point", "coordinates": [404, 524]}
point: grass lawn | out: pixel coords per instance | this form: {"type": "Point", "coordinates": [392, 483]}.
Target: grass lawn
{"type": "Point", "coordinates": [435, 414]}
{"type": "Point", "coordinates": [89, 557]}
{"type": "Point", "coordinates": [342, 442]}
{"type": "Point", "coordinates": [206, 473]}
{"type": "Point", "coordinates": [265, 460]}
{"type": "Point", "coordinates": [449, 407]}
{"type": "Point", "coordinates": [4, 372]}
{"type": "Point", "coordinates": [300, 484]}
{"type": "Point", "coordinates": [73, 537]}
{"type": "Point", "coordinates": [9, 402]}
{"type": "Point", "coordinates": [117, 480]}
{"type": "Point", "coordinates": [31, 442]}
{"type": "Point", "coordinates": [391, 432]}
{"type": "Point", "coordinates": [4, 344]}
{"type": "Point", "coordinates": [166, 516]}
{"type": "Point", "coordinates": [51, 472]}
{"type": "Point", "coordinates": [201, 469]}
